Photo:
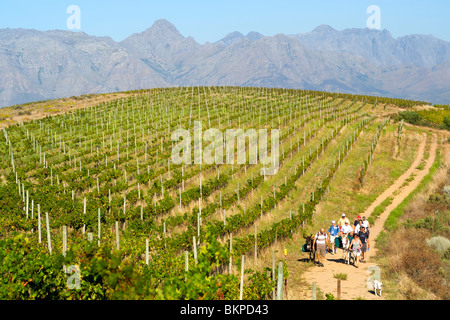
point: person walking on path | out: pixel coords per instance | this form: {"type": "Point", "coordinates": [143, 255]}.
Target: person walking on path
{"type": "Point", "coordinates": [333, 231]}
{"type": "Point", "coordinates": [342, 220]}
{"type": "Point", "coordinates": [356, 246]}
{"type": "Point", "coordinates": [358, 219]}
{"type": "Point", "coordinates": [358, 226]}
{"type": "Point", "coordinates": [347, 228]}
{"type": "Point", "coordinates": [366, 224]}
{"type": "Point", "coordinates": [364, 237]}
{"type": "Point", "coordinates": [321, 239]}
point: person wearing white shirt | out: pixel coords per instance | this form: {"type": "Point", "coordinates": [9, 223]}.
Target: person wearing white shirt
{"type": "Point", "coordinates": [358, 227]}
{"type": "Point", "coordinates": [321, 239]}
{"type": "Point", "coordinates": [366, 224]}
{"type": "Point", "coordinates": [343, 220]}
{"type": "Point", "coordinates": [347, 228]}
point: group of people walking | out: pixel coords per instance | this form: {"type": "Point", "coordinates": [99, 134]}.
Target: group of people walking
{"type": "Point", "coordinates": [358, 232]}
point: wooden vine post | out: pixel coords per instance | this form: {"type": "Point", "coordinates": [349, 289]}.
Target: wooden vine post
{"type": "Point", "coordinates": [314, 291]}
{"type": "Point", "coordinates": [49, 240]}
{"type": "Point", "coordinates": [146, 251]}
{"type": "Point", "coordinates": [231, 257]}
{"type": "Point", "coordinates": [339, 289]}
{"type": "Point", "coordinates": [195, 249]}
{"type": "Point", "coordinates": [280, 281]}
{"type": "Point", "coordinates": [273, 272]}
{"type": "Point", "coordinates": [256, 245]}
{"type": "Point", "coordinates": [117, 236]}
{"type": "Point", "coordinates": [39, 224]}
{"type": "Point", "coordinates": [99, 227]}
{"type": "Point", "coordinates": [64, 234]}
{"type": "Point", "coordinates": [241, 287]}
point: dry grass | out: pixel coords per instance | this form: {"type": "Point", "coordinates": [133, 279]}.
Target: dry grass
{"type": "Point", "coordinates": [420, 207]}
{"type": "Point", "coordinates": [37, 110]}
{"type": "Point", "coordinates": [419, 272]}
{"type": "Point", "coordinates": [407, 254]}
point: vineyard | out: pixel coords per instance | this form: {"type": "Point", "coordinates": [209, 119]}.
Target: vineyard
{"type": "Point", "coordinates": [437, 118]}
{"type": "Point", "coordinates": [93, 207]}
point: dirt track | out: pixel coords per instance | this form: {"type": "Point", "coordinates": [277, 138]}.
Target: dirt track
{"type": "Point", "coordinates": [355, 285]}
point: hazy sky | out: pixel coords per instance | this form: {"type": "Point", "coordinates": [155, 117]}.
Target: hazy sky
{"type": "Point", "coordinates": [212, 20]}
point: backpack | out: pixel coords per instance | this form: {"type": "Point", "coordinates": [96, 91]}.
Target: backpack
{"type": "Point", "coordinates": [338, 242]}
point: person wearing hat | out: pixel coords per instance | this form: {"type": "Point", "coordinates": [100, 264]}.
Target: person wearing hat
{"type": "Point", "coordinates": [342, 221]}
{"type": "Point", "coordinates": [366, 224]}
{"type": "Point", "coordinates": [358, 226]}
{"type": "Point", "coordinates": [358, 219]}
{"type": "Point", "coordinates": [347, 228]}
{"type": "Point", "coordinates": [333, 231]}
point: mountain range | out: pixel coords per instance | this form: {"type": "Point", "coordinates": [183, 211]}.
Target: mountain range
{"type": "Point", "coordinates": [40, 65]}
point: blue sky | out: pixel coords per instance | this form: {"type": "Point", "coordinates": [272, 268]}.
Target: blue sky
{"type": "Point", "coordinates": [212, 20]}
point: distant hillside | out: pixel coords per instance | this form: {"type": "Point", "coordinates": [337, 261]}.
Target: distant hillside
{"type": "Point", "coordinates": [38, 65]}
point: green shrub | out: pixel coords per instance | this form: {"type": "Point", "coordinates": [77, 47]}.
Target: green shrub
{"type": "Point", "coordinates": [330, 296]}
{"type": "Point", "coordinates": [440, 244]}
{"type": "Point", "coordinates": [447, 122]}
{"type": "Point", "coordinates": [342, 276]}
{"type": "Point", "coordinates": [409, 116]}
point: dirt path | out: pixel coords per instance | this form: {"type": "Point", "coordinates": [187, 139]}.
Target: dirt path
{"type": "Point", "coordinates": [355, 285]}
